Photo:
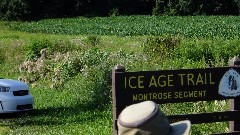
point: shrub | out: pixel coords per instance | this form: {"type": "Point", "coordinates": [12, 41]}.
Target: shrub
{"type": "Point", "coordinates": [212, 52]}
{"type": "Point", "coordinates": [99, 82]}
{"type": "Point", "coordinates": [32, 50]}
{"type": "Point", "coordinates": [63, 46]}
{"type": "Point", "coordinates": [93, 40]}
{"type": "Point", "coordinates": [71, 66]}
{"type": "Point", "coordinates": [60, 67]}
{"type": "Point", "coordinates": [160, 47]}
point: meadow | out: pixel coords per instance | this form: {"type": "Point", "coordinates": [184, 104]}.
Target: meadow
{"type": "Point", "coordinates": [72, 82]}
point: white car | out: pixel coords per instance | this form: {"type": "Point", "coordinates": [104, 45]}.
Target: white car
{"type": "Point", "coordinates": [14, 96]}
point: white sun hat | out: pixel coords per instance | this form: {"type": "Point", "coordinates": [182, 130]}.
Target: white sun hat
{"type": "Point", "coordinates": [146, 118]}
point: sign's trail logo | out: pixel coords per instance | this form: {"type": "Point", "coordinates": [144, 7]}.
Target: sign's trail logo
{"type": "Point", "coordinates": [230, 84]}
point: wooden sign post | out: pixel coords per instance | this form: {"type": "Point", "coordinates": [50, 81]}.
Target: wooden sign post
{"type": "Point", "coordinates": [175, 86]}
{"type": "Point", "coordinates": [234, 103]}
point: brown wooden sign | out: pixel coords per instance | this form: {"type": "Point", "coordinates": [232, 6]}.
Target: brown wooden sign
{"type": "Point", "coordinates": [174, 86]}
{"type": "Point", "coordinates": [184, 85]}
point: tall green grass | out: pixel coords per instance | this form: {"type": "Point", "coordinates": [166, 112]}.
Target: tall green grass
{"type": "Point", "coordinates": [188, 26]}
{"type": "Point", "coordinates": [72, 89]}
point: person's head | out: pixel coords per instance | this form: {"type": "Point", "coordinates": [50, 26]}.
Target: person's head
{"type": "Point", "coordinates": [146, 118]}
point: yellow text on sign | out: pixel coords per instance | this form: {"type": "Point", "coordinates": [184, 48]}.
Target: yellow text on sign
{"type": "Point", "coordinates": [169, 95]}
{"type": "Point", "coordinates": [189, 79]}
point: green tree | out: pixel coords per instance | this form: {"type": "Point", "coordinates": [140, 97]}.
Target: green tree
{"type": "Point", "coordinates": [14, 9]}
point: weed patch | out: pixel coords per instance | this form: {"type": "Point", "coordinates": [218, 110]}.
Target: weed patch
{"type": "Point", "coordinates": [160, 47]}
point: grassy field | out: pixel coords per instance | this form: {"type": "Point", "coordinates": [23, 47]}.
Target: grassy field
{"type": "Point", "coordinates": [190, 26]}
{"type": "Point", "coordinates": [72, 84]}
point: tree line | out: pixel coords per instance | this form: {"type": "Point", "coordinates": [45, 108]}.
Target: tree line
{"type": "Point", "coordinates": [40, 9]}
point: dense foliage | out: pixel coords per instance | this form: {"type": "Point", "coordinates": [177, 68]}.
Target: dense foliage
{"type": "Point", "coordinates": [189, 26]}
{"type": "Point", "coordinates": [39, 9]}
